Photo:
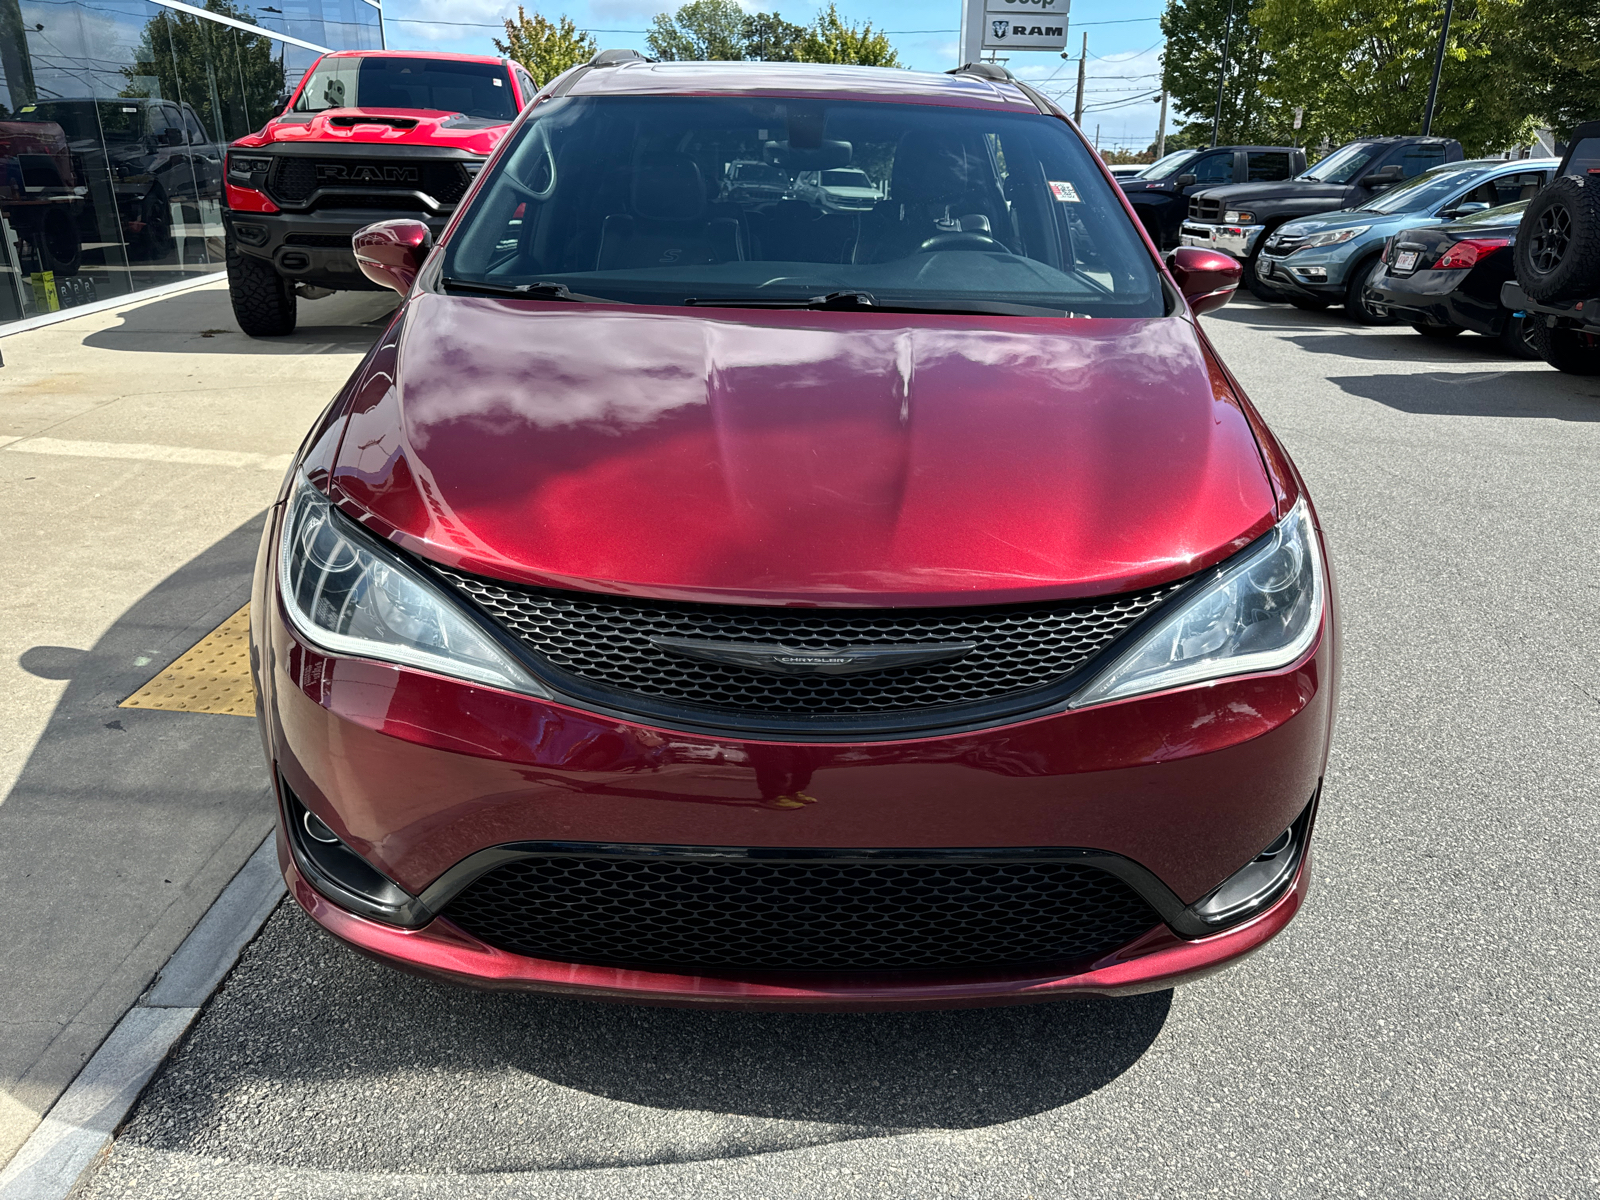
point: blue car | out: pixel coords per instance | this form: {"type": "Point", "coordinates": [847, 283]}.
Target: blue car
{"type": "Point", "coordinates": [1330, 259]}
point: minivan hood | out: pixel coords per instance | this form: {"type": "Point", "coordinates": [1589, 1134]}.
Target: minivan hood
{"type": "Point", "coordinates": [801, 457]}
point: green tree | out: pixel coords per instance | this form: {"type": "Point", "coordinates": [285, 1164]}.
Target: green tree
{"type": "Point", "coordinates": [545, 47]}
{"type": "Point", "coordinates": [229, 77]}
{"type": "Point", "coordinates": [1553, 47]}
{"type": "Point", "coordinates": [769, 38]}
{"type": "Point", "coordinates": [1195, 32]}
{"type": "Point", "coordinates": [832, 39]}
{"type": "Point", "coordinates": [1362, 67]}
{"type": "Point", "coordinates": [700, 31]}
{"type": "Point", "coordinates": [705, 30]}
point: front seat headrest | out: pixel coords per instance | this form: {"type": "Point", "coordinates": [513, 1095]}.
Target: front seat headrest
{"type": "Point", "coordinates": [668, 187]}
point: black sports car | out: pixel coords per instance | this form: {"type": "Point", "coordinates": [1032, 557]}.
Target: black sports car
{"type": "Point", "coordinates": [1444, 278]}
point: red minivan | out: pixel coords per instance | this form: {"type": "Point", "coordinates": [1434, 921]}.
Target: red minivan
{"type": "Point", "coordinates": [705, 596]}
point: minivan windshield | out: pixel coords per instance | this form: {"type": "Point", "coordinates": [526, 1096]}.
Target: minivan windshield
{"type": "Point", "coordinates": [430, 84]}
{"type": "Point", "coordinates": [620, 197]}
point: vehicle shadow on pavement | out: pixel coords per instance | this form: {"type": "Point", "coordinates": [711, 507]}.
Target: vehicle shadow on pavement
{"type": "Point", "coordinates": [401, 1074]}
{"type": "Point", "coordinates": [1481, 394]}
{"type": "Point", "coordinates": [122, 827]}
{"type": "Point", "coordinates": [201, 322]}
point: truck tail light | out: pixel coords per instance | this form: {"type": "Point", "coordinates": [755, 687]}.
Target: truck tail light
{"type": "Point", "coordinates": [1469, 253]}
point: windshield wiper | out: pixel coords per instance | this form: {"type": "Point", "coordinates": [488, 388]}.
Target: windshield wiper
{"type": "Point", "coordinates": [526, 291]}
{"type": "Point", "coordinates": [857, 301]}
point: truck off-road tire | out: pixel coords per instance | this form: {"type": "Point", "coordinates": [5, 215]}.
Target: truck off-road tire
{"type": "Point", "coordinates": [1568, 350]}
{"type": "Point", "coordinates": [263, 300]}
{"type": "Point", "coordinates": [1356, 305]}
{"type": "Point", "coordinates": [1558, 243]}
{"type": "Point", "coordinates": [1439, 333]}
{"type": "Point", "coordinates": [59, 247]}
{"type": "Point", "coordinates": [1517, 337]}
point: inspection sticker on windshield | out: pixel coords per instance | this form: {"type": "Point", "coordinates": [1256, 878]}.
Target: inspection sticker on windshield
{"type": "Point", "coordinates": [1064, 191]}
{"type": "Point", "coordinates": [1405, 260]}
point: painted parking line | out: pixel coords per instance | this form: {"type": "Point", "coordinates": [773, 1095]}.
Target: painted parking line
{"type": "Point", "coordinates": [145, 452]}
{"type": "Point", "coordinates": [212, 676]}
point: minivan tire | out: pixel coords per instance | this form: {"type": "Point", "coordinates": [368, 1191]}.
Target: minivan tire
{"type": "Point", "coordinates": [263, 301]}
{"type": "Point", "coordinates": [1568, 350]}
{"type": "Point", "coordinates": [1557, 251]}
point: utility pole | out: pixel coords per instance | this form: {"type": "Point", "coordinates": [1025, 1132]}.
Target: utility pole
{"type": "Point", "coordinates": [1222, 71]}
{"type": "Point", "coordinates": [1438, 66]}
{"type": "Point", "coordinates": [1077, 109]}
{"type": "Point", "coordinates": [1161, 133]}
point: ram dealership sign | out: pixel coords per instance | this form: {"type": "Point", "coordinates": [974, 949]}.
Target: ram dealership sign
{"type": "Point", "coordinates": [1008, 26]}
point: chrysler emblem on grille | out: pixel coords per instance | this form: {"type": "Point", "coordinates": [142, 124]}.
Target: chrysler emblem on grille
{"type": "Point", "coordinates": [796, 660]}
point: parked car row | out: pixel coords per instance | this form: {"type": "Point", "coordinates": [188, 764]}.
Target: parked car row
{"type": "Point", "coordinates": [1403, 230]}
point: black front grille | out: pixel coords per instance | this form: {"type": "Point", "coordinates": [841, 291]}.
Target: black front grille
{"type": "Point", "coordinates": [748, 913]}
{"type": "Point", "coordinates": [378, 183]}
{"type": "Point", "coordinates": [606, 640]}
{"type": "Point", "coordinates": [1201, 209]}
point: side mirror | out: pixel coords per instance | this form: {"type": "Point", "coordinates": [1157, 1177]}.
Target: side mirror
{"type": "Point", "coordinates": [172, 136]}
{"type": "Point", "coordinates": [1461, 210]}
{"type": "Point", "coordinates": [1385, 178]}
{"type": "Point", "coordinates": [390, 253]}
{"type": "Point", "coordinates": [1207, 278]}
{"type": "Point", "coordinates": [1188, 180]}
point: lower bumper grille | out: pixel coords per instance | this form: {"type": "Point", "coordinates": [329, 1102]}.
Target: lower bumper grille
{"type": "Point", "coordinates": [664, 912]}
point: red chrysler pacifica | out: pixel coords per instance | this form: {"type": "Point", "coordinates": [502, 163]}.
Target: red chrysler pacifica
{"type": "Point", "coordinates": [718, 589]}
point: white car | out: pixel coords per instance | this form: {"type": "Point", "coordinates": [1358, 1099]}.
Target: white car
{"type": "Point", "coordinates": [1121, 171]}
{"type": "Point", "coordinates": [843, 189]}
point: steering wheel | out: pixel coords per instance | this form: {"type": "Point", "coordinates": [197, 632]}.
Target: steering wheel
{"type": "Point", "coordinates": [965, 240]}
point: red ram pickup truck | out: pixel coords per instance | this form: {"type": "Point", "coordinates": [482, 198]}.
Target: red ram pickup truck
{"type": "Point", "coordinates": [367, 136]}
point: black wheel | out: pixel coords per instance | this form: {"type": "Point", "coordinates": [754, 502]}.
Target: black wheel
{"type": "Point", "coordinates": [154, 237]}
{"type": "Point", "coordinates": [1558, 242]}
{"type": "Point", "coordinates": [1257, 286]}
{"type": "Point", "coordinates": [1356, 304]}
{"type": "Point", "coordinates": [1568, 350]}
{"type": "Point", "coordinates": [1441, 333]}
{"type": "Point", "coordinates": [1306, 304]}
{"type": "Point", "coordinates": [60, 249]}
{"type": "Point", "coordinates": [263, 300]}
{"type": "Point", "coordinates": [1516, 337]}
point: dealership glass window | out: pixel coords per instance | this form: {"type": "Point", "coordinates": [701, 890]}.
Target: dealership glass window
{"type": "Point", "coordinates": [114, 115]}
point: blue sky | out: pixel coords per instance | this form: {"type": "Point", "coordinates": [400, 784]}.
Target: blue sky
{"type": "Point", "coordinates": [1124, 43]}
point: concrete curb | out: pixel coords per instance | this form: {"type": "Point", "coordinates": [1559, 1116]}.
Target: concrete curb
{"type": "Point", "coordinates": [82, 1124]}
{"type": "Point", "coordinates": [126, 300]}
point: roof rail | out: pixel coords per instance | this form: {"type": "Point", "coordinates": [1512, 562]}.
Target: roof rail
{"type": "Point", "coordinates": [615, 58]}
{"type": "Point", "coordinates": [985, 70]}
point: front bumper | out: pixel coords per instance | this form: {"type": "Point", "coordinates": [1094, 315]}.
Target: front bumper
{"type": "Point", "coordinates": [1237, 240]}
{"type": "Point", "coordinates": [314, 248]}
{"type": "Point", "coordinates": [416, 774]}
{"type": "Point", "coordinates": [1298, 275]}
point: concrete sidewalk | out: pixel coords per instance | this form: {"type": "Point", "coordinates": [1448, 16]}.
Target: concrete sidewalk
{"type": "Point", "coordinates": [138, 450]}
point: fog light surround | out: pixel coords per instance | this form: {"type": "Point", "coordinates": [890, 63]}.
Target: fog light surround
{"type": "Point", "coordinates": [341, 874]}
{"type": "Point", "coordinates": [1313, 274]}
{"type": "Point", "coordinates": [1259, 882]}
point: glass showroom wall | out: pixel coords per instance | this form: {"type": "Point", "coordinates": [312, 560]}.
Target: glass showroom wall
{"type": "Point", "coordinates": [114, 115]}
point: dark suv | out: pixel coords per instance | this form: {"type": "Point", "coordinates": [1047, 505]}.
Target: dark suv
{"type": "Point", "coordinates": [1160, 193]}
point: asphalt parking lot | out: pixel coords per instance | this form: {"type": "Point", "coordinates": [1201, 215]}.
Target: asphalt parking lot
{"type": "Point", "coordinates": [1427, 1027]}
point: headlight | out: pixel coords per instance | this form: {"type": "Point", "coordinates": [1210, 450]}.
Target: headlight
{"type": "Point", "coordinates": [243, 164]}
{"type": "Point", "coordinates": [1234, 216]}
{"type": "Point", "coordinates": [1258, 615]}
{"type": "Point", "coordinates": [345, 593]}
{"type": "Point", "coordinates": [1335, 237]}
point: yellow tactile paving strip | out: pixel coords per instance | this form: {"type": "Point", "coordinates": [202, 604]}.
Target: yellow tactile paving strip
{"type": "Point", "coordinates": [211, 677]}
